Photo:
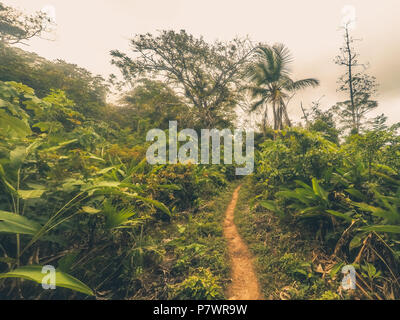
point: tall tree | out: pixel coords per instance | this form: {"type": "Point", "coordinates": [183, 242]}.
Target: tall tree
{"type": "Point", "coordinates": [271, 83]}
{"type": "Point", "coordinates": [16, 26]}
{"type": "Point", "coordinates": [88, 91]}
{"type": "Point", "coordinates": [322, 121]}
{"type": "Point", "coordinates": [358, 85]}
{"type": "Point", "coordinates": [206, 75]}
{"type": "Point", "coordinates": [152, 104]}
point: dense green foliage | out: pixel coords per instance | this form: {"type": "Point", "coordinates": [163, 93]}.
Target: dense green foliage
{"type": "Point", "coordinates": [347, 195]}
{"type": "Point", "coordinates": [72, 195]}
{"type": "Point", "coordinates": [86, 90]}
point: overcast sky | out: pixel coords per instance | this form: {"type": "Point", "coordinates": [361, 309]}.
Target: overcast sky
{"type": "Point", "coordinates": [88, 29]}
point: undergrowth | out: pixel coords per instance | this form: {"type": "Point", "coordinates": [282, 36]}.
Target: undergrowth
{"type": "Point", "coordinates": [195, 263]}
{"type": "Point", "coordinates": [283, 257]}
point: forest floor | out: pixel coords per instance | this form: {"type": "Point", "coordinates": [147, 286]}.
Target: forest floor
{"type": "Point", "coordinates": [233, 249]}
{"type": "Point", "coordinates": [244, 284]}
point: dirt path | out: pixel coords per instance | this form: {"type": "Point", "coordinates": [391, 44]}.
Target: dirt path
{"type": "Point", "coordinates": [244, 284]}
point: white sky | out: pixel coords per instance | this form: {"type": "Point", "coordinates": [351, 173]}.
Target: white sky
{"type": "Point", "coordinates": [88, 29]}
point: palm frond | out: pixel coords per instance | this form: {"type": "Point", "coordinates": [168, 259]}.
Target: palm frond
{"type": "Point", "coordinates": [302, 84]}
{"type": "Point", "coordinates": [256, 91]}
{"type": "Point", "coordinates": [283, 58]}
{"type": "Point", "coordinates": [256, 105]}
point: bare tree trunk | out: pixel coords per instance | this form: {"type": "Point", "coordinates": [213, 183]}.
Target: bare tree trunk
{"type": "Point", "coordinates": [280, 117]}
{"type": "Point", "coordinates": [275, 116]}
{"type": "Point", "coordinates": [265, 118]}
{"type": "Point", "coordinates": [287, 120]}
{"type": "Point", "coordinates": [304, 113]}
{"type": "Point", "coordinates": [350, 77]}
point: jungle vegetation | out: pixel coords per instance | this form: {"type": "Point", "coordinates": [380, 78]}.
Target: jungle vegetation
{"type": "Point", "coordinates": [76, 191]}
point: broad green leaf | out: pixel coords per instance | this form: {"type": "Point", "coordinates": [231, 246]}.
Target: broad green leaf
{"type": "Point", "coordinates": [34, 273]}
{"type": "Point", "coordinates": [138, 187]}
{"type": "Point", "coordinates": [60, 145]}
{"type": "Point", "coordinates": [17, 156]}
{"type": "Point", "coordinates": [356, 193]}
{"type": "Point", "coordinates": [3, 103]}
{"type": "Point", "coordinates": [35, 186]}
{"type": "Point", "coordinates": [181, 228]}
{"type": "Point", "coordinates": [270, 205]}
{"type": "Point", "coordinates": [304, 185]}
{"type": "Point", "coordinates": [96, 158]}
{"type": "Point", "coordinates": [43, 126]}
{"type": "Point", "coordinates": [14, 223]}
{"type": "Point", "coordinates": [8, 185]}
{"type": "Point", "coordinates": [339, 215]}
{"type": "Point", "coordinates": [318, 189]}
{"type": "Point", "coordinates": [335, 269]}
{"type": "Point", "coordinates": [382, 228]}
{"type": "Point", "coordinates": [367, 207]}
{"type": "Point", "coordinates": [110, 185]}
{"type": "Point", "coordinates": [370, 269]}
{"type": "Point", "coordinates": [71, 184]}
{"type": "Point", "coordinates": [66, 262]}
{"type": "Point", "coordinates": [316, 210]}
{"type": "Point", "coordinates": [386, 177]}
{"type": "Point", "coordinates": [105, 170]}
{"type": "Point", "coordinates": [170, 187]}
{"type": "Point", "coordinates": [90, 210]}
{"type": "Point", "coordinates": [7, 260]}
{"type": "Point", "coordinates": [287, 194]}
{"type": "Point", "coordinates": [30, 194]}
{"type": "Point", "coordinates": [155, 203]}
{"type": "Point", "coordinates": [356, 242]}
{"type": "Point", "coordinates": [13, 126]}
{"type": "Point", "coordinates": [390, 216]}
{"type": "Point", "coordinates": [107, 184]}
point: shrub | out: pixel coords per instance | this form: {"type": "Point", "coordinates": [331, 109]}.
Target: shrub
{"type": "Point", "coordinates": [201, 285]}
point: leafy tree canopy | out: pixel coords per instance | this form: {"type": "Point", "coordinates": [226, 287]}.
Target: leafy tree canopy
{"type": "Point", "coordinates": [87, 90]}
{"type": "Point", "coordinates": [16, 26]}
{"type": "Point", "coordinates": [205, 74]}
{"type": "Point", "coordinates": [152, 103]}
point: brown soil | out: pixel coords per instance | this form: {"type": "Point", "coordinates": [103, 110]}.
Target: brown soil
{"type": "Point", "coordinates": [244, 284]}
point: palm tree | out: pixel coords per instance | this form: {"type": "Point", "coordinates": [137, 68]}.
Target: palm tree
{"type": "Point", "coordinates": [271, 83]}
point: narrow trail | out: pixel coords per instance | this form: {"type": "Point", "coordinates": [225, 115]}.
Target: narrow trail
{"type": "Point", "coordinates": [244, 284]}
